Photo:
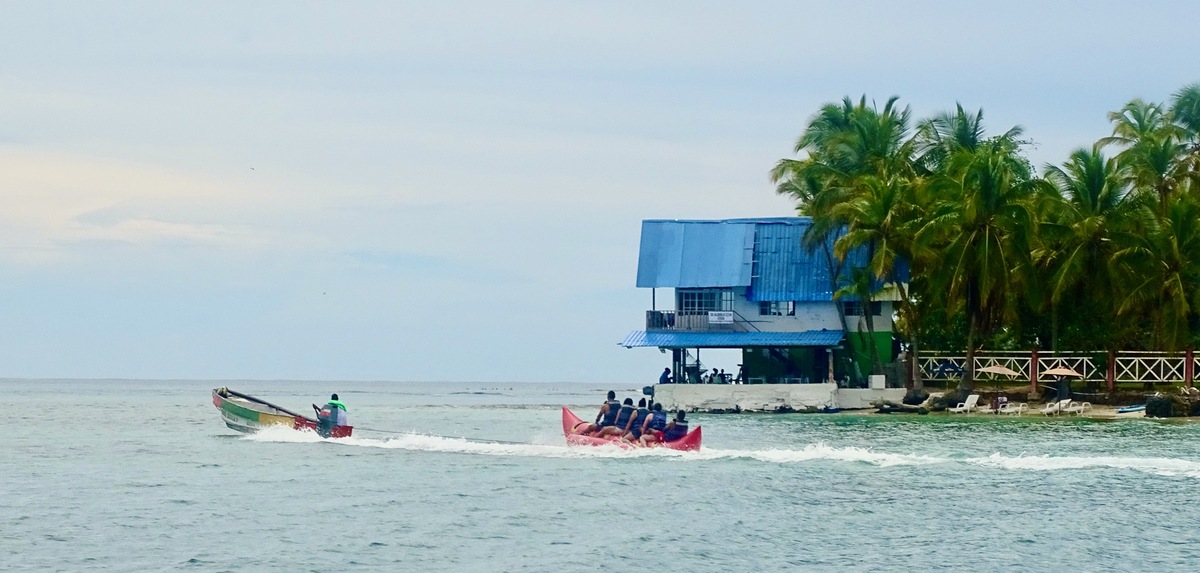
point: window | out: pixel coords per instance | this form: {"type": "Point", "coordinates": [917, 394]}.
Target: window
{"type": "Point", "coordinates": [700, 301]}
{"type": "Point", "coordinates": [774, 308]}
{"type": "Point", "coordinates": [854, 308]}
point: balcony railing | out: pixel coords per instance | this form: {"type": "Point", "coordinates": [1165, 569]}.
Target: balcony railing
{"type": "Point", "coordinates": [697, 321]}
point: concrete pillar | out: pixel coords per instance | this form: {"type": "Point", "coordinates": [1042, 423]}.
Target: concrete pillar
{"type": "Point", "coordinates": [830, 353]}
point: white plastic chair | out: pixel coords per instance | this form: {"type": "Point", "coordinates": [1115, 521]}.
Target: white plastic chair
{"type": "Point", "coordinates": [1014, 408]}
{"type": "Point", "coordinates": [1055, 407]}
{"type": "Point", "coordinates": [965, 407]}
{"type": "Point", "coordinates": [1077, 408]}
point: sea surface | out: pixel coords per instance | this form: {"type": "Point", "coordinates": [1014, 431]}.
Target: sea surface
{"type": "Point", "coordinates": [143, 476]}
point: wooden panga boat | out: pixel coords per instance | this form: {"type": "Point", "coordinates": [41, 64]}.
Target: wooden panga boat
{"type": "Point", "coordinates": [249, 414]}
{"type": "Point", "coordinates": [689, 442]}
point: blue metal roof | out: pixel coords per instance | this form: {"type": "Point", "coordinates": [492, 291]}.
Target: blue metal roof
{"type": "Point", "coordinates": [786, 269]}
{"type": "Point", "coordinates": [768, 255]}
{"type": "Point", "coordinates": [675, 339]}
{"type": "Point", "coordinates": [693, 254]}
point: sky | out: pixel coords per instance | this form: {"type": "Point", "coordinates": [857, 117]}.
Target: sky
{"type": "Point", "coordinates": [453, 191]}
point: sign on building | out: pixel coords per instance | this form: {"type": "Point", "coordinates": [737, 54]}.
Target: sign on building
{"type": "Point", "coordinates": [720, 317]}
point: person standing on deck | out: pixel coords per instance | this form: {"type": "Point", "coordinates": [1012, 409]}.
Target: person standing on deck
{"type": "Point", "coordinates": [331, 416]}
{"type": "Point", "coordinates": [665, 377]}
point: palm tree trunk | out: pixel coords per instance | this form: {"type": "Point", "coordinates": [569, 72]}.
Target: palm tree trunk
{"type": "Point", "coordinates": [834, 274]}
{"type": "Point", "coordinates": [1053, 327]}
{"type": "Point", "coordinates": [917, 381]}
{"type": "Point", "coordinates": [876, 364]}
{"type": "Point", "coordinates": [910, 312]}
{"type": "Point", "coordinates": [968, 379]}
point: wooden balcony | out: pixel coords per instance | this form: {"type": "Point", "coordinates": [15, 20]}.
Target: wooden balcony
{"type": "Point", "coordinates": [697, 321]}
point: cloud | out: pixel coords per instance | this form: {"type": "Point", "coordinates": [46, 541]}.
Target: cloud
{"type": "Point", "coordinates": [51, 201]}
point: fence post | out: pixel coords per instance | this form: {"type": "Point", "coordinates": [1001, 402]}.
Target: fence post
{"type": "Point", "coordinates": [1033, 371]}
{"type": "Point", "coordinates": [1111, 375]}
{"type": "Point", "coordinates": [1188, 366]}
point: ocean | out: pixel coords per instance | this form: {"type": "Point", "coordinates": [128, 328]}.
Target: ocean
{"type": "Point", "coordinates": [143, 476]}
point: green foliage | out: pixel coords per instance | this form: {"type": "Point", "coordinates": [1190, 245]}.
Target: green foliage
{"type": "Point", "coordinates": [1100, 252]}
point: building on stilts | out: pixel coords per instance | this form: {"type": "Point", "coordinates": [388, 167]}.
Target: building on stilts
{"type": "Point", "coordinates": [759, 286]}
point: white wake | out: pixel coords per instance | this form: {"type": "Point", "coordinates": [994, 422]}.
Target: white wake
{"type": "Point", "coordinates": [553, 447]}
{"type": "Point", "coordinates": [427, 443]}
{"type": "Point", "coordinates": [1169, 467]}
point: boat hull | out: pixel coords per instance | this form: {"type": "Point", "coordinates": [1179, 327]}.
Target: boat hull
{"type": "Point", "coordinates": [571, 422]}
{"type": "Point", "coordinates": [249, 417]}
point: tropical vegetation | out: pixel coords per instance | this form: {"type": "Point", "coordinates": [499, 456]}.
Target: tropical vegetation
{"type": "Point", "coordinates": [1099, 252]}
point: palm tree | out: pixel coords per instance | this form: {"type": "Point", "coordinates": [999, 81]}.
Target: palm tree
{"type": "Point", "coordinates": [1083, 229]}
{"type": "Point", "coordinates": [884, 217]}
{"type": "Point", "coordinates": [1185, 110]}
{"type": "Point", "coordinates": [984, 218]}
{"type": "Point", "coordinates": [862, 286]}
{"type": "Point", "coordinates": [942, 135]}
{"type": "Point", "coordinates": [847, 148]}
{"type": "Point", "coordinates": [1166, 263]}
{"type": "Point", "coordinates": [840, 143]}
{"type": "Point", "coordinates": [1153, 144]}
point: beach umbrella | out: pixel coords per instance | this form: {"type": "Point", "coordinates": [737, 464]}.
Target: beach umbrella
{"type": "Point", "coordinates": [1062, 371]}
{"type": "Point", "coordinates": [998, 369]}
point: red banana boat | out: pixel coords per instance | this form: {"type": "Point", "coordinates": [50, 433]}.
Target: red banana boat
{"type": "Point", "coordinates": [689, 442]}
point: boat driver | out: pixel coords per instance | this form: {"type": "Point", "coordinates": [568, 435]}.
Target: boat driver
{"type": "Point", "coordinates": [331, 416]}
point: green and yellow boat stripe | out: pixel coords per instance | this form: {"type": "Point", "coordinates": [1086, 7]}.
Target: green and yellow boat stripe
{"type": "Point", "coordinates": [253, 416]}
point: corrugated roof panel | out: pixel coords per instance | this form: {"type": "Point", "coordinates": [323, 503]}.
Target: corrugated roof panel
{"type": "Point", "coordinates": [787, 270]}
{"type": "Point", "coordinates": [693, 254]}
{"type": "Point", "coordinates": [668, 339]}
{"type": "Point", "coordinates": [767, 254]}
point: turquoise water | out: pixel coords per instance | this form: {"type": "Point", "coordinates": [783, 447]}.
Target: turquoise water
{"type": "Point", "coordinates": [143, 476]}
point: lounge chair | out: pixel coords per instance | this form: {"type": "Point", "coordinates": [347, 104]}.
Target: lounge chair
{"type": "Point", "coordinates": [1077, 408]}
{"type": "Point", "coordinates": [1055, 407]}
{"type": "Point", "coordinates": [1014, 408]}
{"type": "Point", "coordinates": [972, 403]}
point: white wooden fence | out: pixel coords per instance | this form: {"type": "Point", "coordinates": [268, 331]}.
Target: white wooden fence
{"type": "Point", "coordinates": [1144, 367]}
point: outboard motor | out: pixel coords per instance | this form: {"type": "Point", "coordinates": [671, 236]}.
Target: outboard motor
{"type": "Point", "coordinates": [649, 391]}
{"type": "Point", "coordinates": [326, 422]}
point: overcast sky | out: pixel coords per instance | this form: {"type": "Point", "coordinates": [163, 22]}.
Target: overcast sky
{"type": "Point", "coordinates": [454, 191]}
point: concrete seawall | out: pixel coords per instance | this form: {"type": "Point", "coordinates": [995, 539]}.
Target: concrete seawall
{"type": "Point", "coordinates": [768, 397]}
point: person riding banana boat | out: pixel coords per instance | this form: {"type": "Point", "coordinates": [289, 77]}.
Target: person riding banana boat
{"type": "Point", "coordinates": [626, 415]}
{"type": "Point", "coordinates": [607, 416]}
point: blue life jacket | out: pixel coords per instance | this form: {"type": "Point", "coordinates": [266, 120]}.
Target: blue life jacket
{"type": "Point", "coordinates": [641, 419]}
{"type": "Point", "coordinates": [680, 430]}
{"type": "Point", "coordinates": [623, 416]}
{"type": "Point", "coordinates": [610, 416]}
{"type": "Point", "coordinates": [658, 421]}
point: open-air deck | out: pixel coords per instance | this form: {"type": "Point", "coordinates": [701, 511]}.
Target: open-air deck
{"type": "Point", "coordinates": [698, 321]}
